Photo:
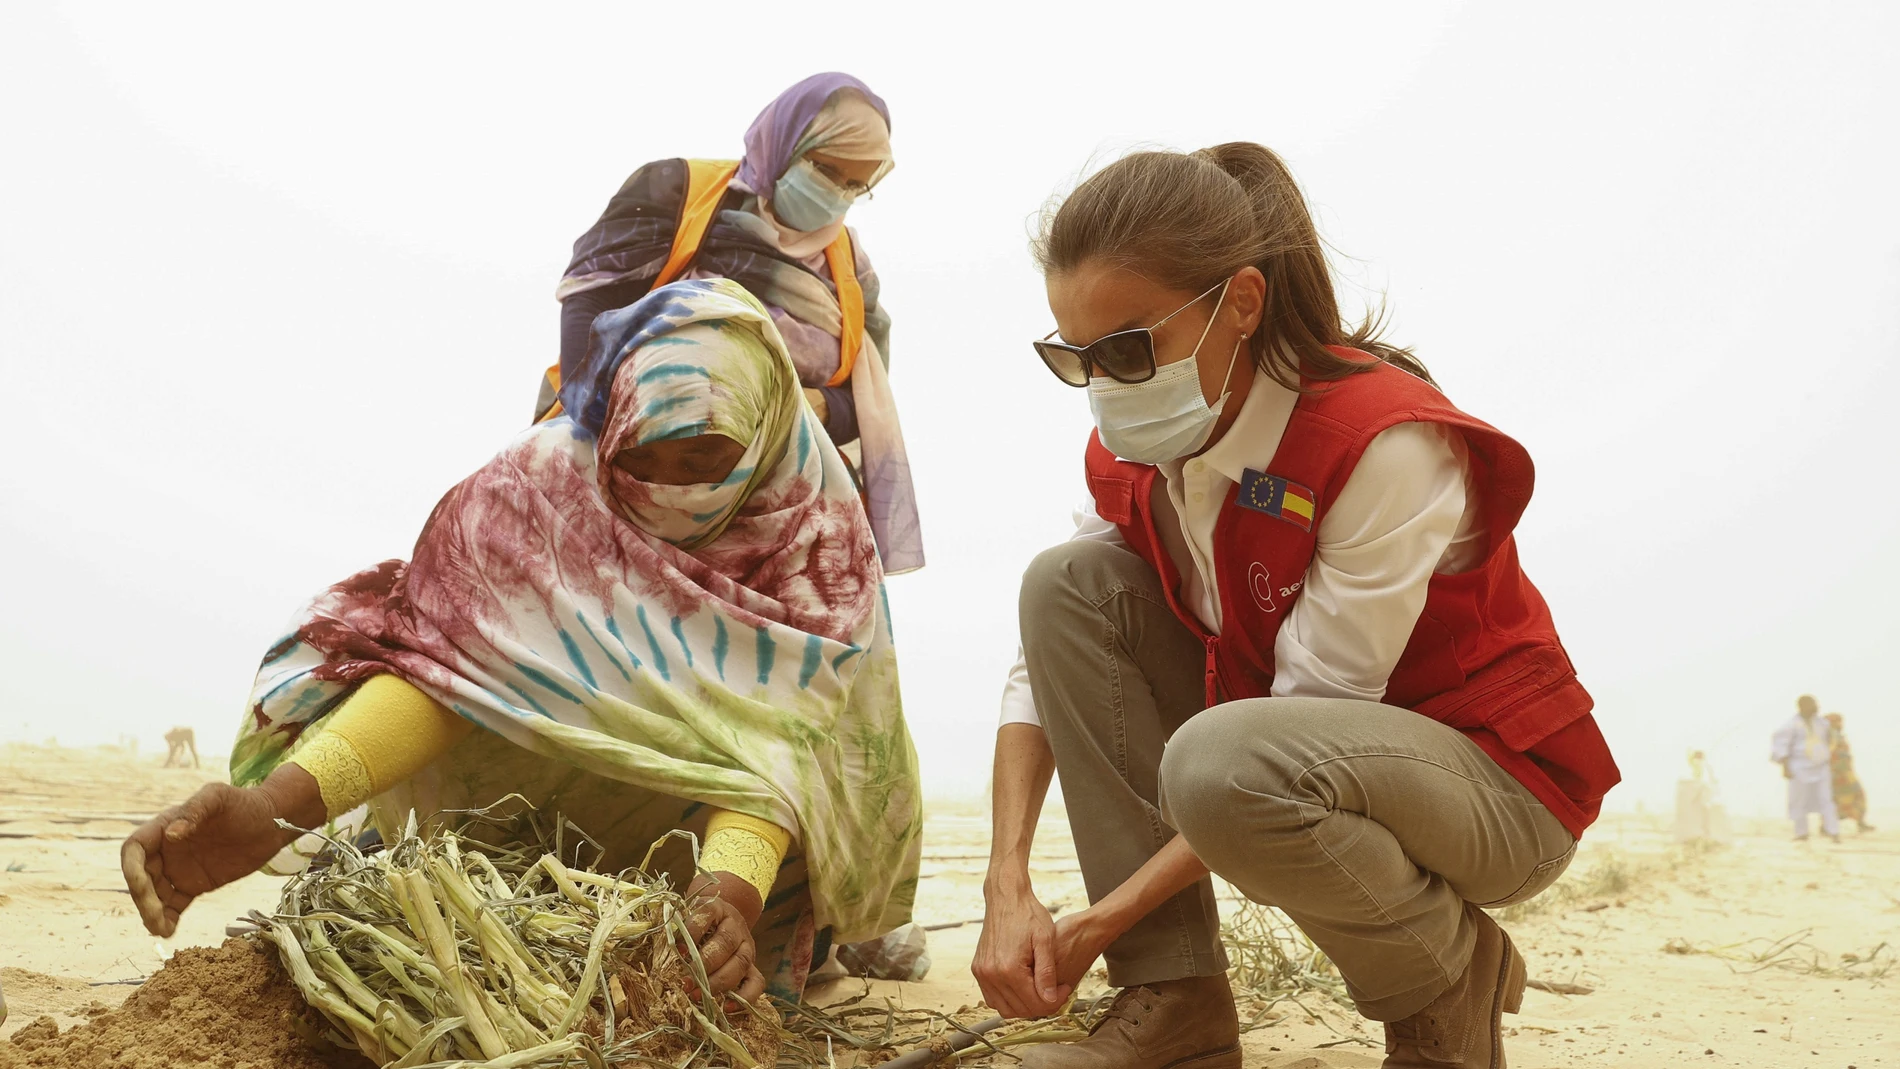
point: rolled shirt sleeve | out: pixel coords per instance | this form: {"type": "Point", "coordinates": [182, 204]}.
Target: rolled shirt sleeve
{"type": "Point", "coordinates": [1398, 517]}
{"type": "Point", "coordinates": [1019, 704]}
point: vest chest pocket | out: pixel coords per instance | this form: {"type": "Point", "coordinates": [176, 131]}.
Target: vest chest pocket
{"type": "Point", "coordinates": [1114, 499]}
{"type": "Point", "coordinates": [1523, 698]}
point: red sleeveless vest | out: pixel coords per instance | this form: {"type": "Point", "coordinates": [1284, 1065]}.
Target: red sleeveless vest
{"type": "Point", "coordinates": [1484, 657]}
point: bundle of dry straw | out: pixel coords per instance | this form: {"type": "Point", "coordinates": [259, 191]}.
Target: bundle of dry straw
{"type": "Point", "coordinates": [437, 951]}
{"type": "Point", "coordinates": [444, 951]}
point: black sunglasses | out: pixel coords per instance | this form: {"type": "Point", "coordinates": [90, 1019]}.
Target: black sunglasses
{"type": "Point", "coordinates": [1125, 356]}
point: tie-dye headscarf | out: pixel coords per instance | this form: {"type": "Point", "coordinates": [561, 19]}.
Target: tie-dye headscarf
{"type": "Point", "coordinates": [754, 673]}
{"type": "Point", "coordinates": [688, 376]}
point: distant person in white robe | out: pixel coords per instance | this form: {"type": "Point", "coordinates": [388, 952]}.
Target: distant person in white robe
{"type": "Point", "coordinates": [1801, 749]}
{"type": "Point", "coordinates": [1700, 815]}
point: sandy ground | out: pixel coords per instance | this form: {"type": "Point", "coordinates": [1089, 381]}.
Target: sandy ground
{"type": "Point", "coordinates": [1663, 939]}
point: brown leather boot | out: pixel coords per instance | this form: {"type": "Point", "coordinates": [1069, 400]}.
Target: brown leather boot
{"type": "Point", "coordinates": [1173, 1024]}
{"type": "Point", "coordinates": [1461, 1027]}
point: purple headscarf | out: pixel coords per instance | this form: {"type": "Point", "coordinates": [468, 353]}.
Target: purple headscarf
{"type": "Point", "coordinates": [775, 133]}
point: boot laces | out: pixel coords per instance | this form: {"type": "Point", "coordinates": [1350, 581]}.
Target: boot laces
{"type": "Point", "coordinates": [1128, 1006]}
{"type": "Point", "coordinates": [1416, 1031]}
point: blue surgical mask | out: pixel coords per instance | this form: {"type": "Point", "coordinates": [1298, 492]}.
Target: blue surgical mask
{"type": "Point", "coordinates": [1164, 418]}
{"type": "Point", "coordinates": [806, 200]}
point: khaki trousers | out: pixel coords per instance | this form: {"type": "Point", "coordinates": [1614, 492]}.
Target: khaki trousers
{"type": "Point", "coordinates": [1369, 825]}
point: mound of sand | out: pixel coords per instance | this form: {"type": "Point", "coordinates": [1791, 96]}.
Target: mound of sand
{"type": "Point", "coordinates": [229, 1006]}
{"type": "Point", "coordinates": [32, 994]}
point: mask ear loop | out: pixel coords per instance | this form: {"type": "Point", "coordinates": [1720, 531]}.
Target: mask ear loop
{"type": "Point", "coordinates": [1226, 382]}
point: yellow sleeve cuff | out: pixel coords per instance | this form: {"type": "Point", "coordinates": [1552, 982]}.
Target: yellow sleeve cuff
{"type": "Point", "coordinates": [341, 774]}
{"type": "Point", "coordinates": [383, 733]}
{"type": "Point", "coordinates": [749, 848]}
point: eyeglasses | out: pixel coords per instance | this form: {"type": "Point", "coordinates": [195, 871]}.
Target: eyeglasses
{"type": "Point", "coordinates": [1125, 356]}
{"type": "Point", "coordinates": [850, 187]}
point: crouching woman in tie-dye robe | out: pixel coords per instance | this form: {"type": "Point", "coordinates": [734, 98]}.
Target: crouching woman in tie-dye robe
{"type": "Point", "coordinates": [663, 609]}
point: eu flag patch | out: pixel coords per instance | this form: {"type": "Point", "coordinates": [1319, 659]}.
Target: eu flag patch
{"type": "Point", "coordinates": [1278, 497]}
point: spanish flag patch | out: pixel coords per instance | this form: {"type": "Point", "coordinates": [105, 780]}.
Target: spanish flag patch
{"type": "Point", "coordinates": [1278, 497]}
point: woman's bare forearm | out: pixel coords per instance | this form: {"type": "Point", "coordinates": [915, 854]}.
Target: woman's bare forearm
{"type": "Point", "coordinates": [1173, 868]}
{"type": "Point", "coordinates": [1018, 785]}
{"type": "Point", "coordinates": [294, 796]}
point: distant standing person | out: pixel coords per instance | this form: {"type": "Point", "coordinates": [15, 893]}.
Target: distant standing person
{"type": "Point", "coordinates": [1801, 748]}
{"type": "Point", "coordinates": [1850, 799]}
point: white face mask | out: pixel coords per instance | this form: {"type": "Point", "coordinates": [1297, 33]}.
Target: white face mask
{"type": "Point", "coordinates": [1164, 418]}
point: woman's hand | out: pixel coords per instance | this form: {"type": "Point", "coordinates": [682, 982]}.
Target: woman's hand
{"type": "Point", "coordinates": [1015, 961]}
{"type": "Point", "coordinates": [1015, 964]}
{"type": "Point", "coordinates": [222, 833]}
{"type": "Point", "coordinates": [721, 925]}
{"type": "Point", "coordinates": [819, 404]}
{"type": "Point", "coordinates": [1027, 964]}
{"type": "Point", "coordinates": [1080, 939]}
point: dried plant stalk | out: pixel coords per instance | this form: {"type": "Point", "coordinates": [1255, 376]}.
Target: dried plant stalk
{"type": "Point", "coordinates": [1274, 962]}
{"type": "Point", "coordinates": [439, 951]}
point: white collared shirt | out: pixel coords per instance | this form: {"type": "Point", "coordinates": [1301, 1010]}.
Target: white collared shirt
{"type": "Point", "coordinates": [1402, 516]}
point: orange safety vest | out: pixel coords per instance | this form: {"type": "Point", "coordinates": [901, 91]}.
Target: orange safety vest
{"type": "Point", "coordinates": [706, 182]}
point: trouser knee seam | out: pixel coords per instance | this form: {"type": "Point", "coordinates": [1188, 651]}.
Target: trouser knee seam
{"type": "Point", "coordinates": [1157, 828]}
{"type": "Point", "coordinates": [1308, 771]}
{"type": "Point", "coordinates": [1380, 906]}
{"type": "Point", "coordinates": [1117, 715]}
{"type": "Point", "coordinates": [1524, 798]}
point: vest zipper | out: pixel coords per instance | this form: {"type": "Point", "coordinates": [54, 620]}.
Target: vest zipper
{"type": "Point", "coordinates": [1139, 507]}
{"type": "Point", "coordinates": [1213, 670]}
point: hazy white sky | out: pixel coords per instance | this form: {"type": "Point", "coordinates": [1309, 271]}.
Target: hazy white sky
{"type": "Point", "coordinates": [273, 278]}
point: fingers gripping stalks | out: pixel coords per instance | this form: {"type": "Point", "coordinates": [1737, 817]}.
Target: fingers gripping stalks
{"type": "Point", "coordinates": [442, 947]}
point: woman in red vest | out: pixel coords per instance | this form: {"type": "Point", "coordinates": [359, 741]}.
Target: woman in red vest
{"type": "Point", "coordinates": [1291, 627]}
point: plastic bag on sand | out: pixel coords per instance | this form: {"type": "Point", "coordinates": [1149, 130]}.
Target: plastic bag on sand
{"type": "Point", "coordinates": [899, 955]}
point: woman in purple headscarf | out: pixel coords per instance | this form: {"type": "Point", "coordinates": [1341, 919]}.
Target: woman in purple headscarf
{"type": "Point", "coordinates": [808, 156]}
